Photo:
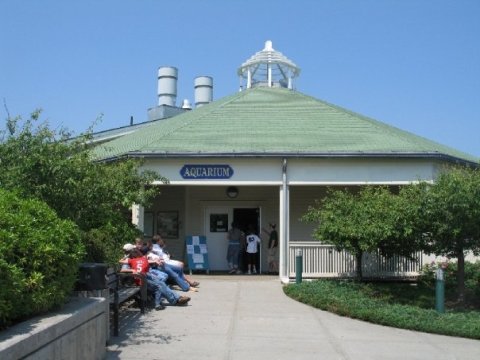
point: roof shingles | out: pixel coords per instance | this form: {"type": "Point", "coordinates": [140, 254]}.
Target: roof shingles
{"type": "Point", "coordinates": [272, 121]}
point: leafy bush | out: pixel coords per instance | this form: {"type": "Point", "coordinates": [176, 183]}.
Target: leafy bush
{"type": "Point", "coordinates": [472, 277]}
{"type": "Point", "coordinates": [39, 162]}
{"type": "Point", "coordinates": [39, 258]}
{"type": "Point", "coordinates": [105, 244]}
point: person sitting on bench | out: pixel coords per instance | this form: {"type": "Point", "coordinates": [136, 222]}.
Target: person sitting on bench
{"type": "Point", "coordinates": [140, 264]}
{"type": "Point", "coordinates": [173, 268]}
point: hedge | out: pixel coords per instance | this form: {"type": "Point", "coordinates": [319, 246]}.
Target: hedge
{"type": "Point", "coordinates": [39, 258]}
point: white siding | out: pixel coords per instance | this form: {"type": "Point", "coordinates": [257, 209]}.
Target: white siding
{"type": "Point", "coordinates": [303, 171]}
{"type": "Point", "coordinates": [301, 197]}
{"type": "Point", "coordinates": [359, 171]}
{"type": "Point", "coordinates": [172, 199]}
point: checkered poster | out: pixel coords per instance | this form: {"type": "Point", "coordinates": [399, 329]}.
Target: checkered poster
{"type": "Point", "coordinates": [197, 252]}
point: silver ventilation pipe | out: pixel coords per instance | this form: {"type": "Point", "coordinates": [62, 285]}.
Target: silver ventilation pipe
{"type": "Point", "coordinates": [167, 85]}
{"type": "Point", "coordinates": [203, 90]}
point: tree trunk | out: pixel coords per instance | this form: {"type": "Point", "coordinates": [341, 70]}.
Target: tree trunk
{"type": "Point", "coordinates": [358, 270]}
{"type": "Point", "coordinates": [461, 276]}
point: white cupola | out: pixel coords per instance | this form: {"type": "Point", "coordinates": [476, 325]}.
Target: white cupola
{"type": "Point", "coordinates": [269, 68]}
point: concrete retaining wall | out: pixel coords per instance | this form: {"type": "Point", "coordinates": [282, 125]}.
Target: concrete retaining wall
{"type": "Point", "coordinates": [77, 331]}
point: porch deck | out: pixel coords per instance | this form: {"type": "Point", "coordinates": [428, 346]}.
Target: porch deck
{"type": "Point", "coordinates": [325, 261]}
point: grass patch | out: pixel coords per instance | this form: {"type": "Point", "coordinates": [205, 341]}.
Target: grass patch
{"type": "Point", "coordinates": [397, 305]}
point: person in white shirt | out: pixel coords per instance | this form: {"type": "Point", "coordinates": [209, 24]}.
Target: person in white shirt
{"type": "Point", "coordinates": [173, 268]}
{"type": "Point", "coordinates": [252, 243]}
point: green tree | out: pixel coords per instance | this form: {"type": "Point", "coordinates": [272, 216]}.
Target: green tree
{"type": "Point", "coordinates": [405, 209]}
{"type": "Point", "coordinates": [451, 216]}
{"type": "Point", "coordinates": [369, 220]}
{"type": "Point", "coordinates": [38, 162]}
{"type": "Point", "coordinates": [336, 217]}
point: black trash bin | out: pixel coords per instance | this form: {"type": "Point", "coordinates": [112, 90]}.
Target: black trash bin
{"type": "Point", "coordinates": [92, 276]}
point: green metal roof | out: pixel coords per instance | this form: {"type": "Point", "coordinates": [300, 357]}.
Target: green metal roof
{"type": "Point", "coordinates": [273, 122]}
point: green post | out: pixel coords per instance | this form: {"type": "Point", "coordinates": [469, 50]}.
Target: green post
{"type": "Point", "coordinates": [298, 266]}
{"type": "Point", "coordinates": [439, 291]}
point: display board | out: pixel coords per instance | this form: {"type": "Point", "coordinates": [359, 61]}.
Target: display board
{"type": "Point", "coordinates": [197, 253]}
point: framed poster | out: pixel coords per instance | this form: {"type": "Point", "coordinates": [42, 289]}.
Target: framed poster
{"type": "Point", "coordinates": [167, 224]}
{"type": "Point", "coordinates": [197, 253]}
{"type": "Point", "coordinates": [218, 222]}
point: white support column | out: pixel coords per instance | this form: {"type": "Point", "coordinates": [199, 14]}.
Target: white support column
{"type": "Point", "coordinates": [284, 226]}
{"type": "Point", "coordinates": [249, 79]}
{"type": "Point", "coordinates": [269, 75]}
{"type": "Point", "coordinates": [138, 216]}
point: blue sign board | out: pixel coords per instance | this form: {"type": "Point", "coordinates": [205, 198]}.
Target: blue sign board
{"type": "Point", "coordinates": [197, 253]}
{"type": "Point", "coordinates": [196, 171]}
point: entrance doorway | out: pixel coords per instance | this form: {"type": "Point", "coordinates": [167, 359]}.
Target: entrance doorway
{"type": "Point", "coordinates": [218, 220]}
{"type": "Point", "coordinates": [245, 218]}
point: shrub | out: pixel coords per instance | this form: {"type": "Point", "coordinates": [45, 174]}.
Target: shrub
{"type": "Point", "coordinates": [105, 244]}
{"type": "Point", "coordinates": [472, 277]}
{"type": "Point", "coordinates": [43, 163]}
{"type": "Point", "coordinates": [39, 258]}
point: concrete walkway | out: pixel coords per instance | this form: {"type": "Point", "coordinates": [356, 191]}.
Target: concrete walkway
{"type": "Point", "coordinates": [249, 317]}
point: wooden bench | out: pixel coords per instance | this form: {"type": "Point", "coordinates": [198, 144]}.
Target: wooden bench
{"type": "Point", "coordinates": [122, 287]}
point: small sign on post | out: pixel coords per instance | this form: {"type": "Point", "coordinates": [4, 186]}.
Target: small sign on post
{"type": "Point", "coordinates": [298, 266]}
{"type": "Point", "coordinates": [440, 291]}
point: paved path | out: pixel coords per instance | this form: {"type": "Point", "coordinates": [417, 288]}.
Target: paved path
{"type": "Point", "coordinates": [248, 317]}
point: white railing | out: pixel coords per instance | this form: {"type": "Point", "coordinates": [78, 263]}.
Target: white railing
{"type": "Point", "coordinates": [320, 261]}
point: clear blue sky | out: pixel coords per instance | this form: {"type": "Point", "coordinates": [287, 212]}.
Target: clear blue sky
{"type": "Point", "coordinates": [414, 64]}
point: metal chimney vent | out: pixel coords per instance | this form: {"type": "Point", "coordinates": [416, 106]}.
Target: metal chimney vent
{"type": "Point", "coordinates": [186, 105]}
{"type": "Point", "coordinates": [203, 90]}
{"type": "Point", "coordinates": [167, 85]}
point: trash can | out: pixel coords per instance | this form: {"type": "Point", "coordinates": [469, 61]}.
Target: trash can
{"type": "Point", "coordinates": [92, 276]}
